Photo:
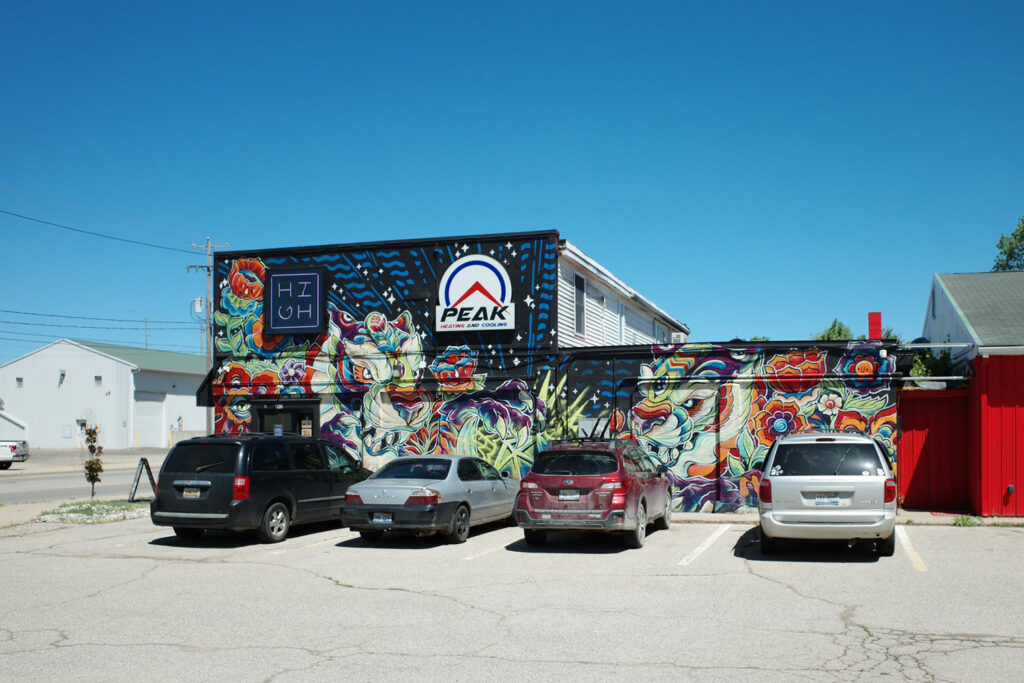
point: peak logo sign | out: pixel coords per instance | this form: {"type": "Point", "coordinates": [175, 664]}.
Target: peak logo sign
{"type": "Point", "coordinates": [475, 294]}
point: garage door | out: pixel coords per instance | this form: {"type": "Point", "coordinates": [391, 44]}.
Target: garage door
{"type": "Point", "coordinates": [150, 425]}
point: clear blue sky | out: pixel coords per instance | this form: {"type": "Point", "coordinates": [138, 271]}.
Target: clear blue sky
{"type": "Point", "coordinates": [753, 168]}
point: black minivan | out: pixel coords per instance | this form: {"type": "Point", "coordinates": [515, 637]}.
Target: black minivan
{"type": "Point", "coordinates": [257, 481]}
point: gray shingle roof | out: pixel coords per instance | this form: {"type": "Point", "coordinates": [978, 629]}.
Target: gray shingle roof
{"type": "Point", "coordinates": [992, 304]}
{"type": "Point", "coordinates": [149, 359]}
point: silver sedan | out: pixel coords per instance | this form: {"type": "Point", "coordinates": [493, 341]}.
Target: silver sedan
{"type": "Point", "coordinates": [429, 494]}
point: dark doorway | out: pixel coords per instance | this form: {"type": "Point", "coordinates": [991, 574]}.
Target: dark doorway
{"type": "Point", "coordinates": [292, 417]}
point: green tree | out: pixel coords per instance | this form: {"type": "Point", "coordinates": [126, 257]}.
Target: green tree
{"type": "Point", "coordinates": [1011, 250]}
{"type": "Point", "coordinates": [94, 465]}
{"type": "Point", "coordinates": [837, 331]}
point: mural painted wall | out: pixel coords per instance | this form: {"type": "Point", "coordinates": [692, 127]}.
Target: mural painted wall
{"type": "Point", "coordinates": [390, 383]}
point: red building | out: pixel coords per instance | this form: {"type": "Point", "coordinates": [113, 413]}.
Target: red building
{"type": "Point", "coordinates": [963, 449]}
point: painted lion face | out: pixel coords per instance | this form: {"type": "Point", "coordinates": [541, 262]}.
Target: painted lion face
{"type": "Point", "coordinates": [673, 410]}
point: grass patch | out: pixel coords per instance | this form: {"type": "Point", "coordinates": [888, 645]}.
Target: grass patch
{"type": "Point", "coordinates": [1009, 524]}
{"type": "Point", "coordinates": [965, 520]}
{"type": "Point", "coordinates": [94, 511]}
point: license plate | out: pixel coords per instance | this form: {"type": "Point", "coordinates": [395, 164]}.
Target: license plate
{"type": "Point", "coordinates": [190, 493]}
{"type": "Point", "coordinates": [826, 500]}
{"type": "Point", "coordinates": [381, 518]}
{"type": "Point", "coordinates": [568, 494]}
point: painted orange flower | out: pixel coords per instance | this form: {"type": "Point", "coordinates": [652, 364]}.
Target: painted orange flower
{"type": "Point", "coordinates": [795, 373]}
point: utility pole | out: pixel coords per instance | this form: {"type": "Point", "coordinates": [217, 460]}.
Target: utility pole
{"type": "Point", "coordinates": [207, 313]}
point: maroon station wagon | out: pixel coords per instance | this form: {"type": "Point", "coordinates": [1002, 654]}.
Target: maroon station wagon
{"type": "Point", "coordinates": [611, 486]}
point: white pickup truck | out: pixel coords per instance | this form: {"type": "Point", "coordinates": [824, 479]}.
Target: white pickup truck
{"type": "Point", "coordinates": [12, 452]}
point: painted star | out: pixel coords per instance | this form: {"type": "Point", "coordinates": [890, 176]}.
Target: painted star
{"type": "Point", "coordinates": [508, 245]}
{"type": "Point", "coordinates": [528, 301]}
{"type": "Point", "coordinates": [515, 362]}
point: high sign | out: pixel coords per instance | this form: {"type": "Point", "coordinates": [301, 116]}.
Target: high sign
{"type": "Point", "coordinates": [475, 293]}
{"type": "Point", "coordinates": [294, 301]}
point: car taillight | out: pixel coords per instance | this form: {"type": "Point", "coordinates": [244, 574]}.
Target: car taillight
{"type": "Point", "coordinates": [353, 499]}
{"type": "Point", "coordinates": [764, 492]}
{"type": "Point", "coordinates": [240, 489]}
{"type": "Point", "coordinates": [890, 490]}
{"type": "Point", "coordinates": [523, 485]}
{"type": "Point", "coordinates": [424, 497]}
{"type": "Point", "coordinates": [617, 486]}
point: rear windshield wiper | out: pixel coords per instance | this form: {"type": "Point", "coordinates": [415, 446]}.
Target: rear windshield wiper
{"type": "Point", "coordinates": [203, 468]}
{"type": "Point", "coordinates": [841, 461]}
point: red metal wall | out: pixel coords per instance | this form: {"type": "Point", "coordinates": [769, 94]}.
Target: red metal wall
{"type": "Point", "coordinates": [932, 452]}
{"type": "Point", "coordinates": [997, 417]}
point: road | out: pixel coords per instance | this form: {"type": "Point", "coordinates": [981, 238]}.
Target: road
{"type": "Point", "coordinates": [697, 603]}
{"type": "Point", "coordinates": [60, 487]}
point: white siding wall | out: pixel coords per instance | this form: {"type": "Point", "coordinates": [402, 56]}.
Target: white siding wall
{"type": "Point", "coordinates": [943, 324]}
{"type": "Point", "coordinates": [610, 320]}
{"type": "Point", "coordinates": [51, 407]}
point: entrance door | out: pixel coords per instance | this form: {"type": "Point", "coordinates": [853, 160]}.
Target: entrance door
{"type": "Point", "coordinates": [302, 419]}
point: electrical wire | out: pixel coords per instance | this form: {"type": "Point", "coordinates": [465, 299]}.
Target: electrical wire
{"type": "Point", "coordinates": [86, 317]}
{"type": "Point", "coordinates": [95, 234]}
{"type": "Point", "coordinates": [178, 326]}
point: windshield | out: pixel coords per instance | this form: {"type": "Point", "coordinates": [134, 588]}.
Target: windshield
{"type": "Point", "coordinates": [815, 459]}
{"type": "Point", "coordinates": [197, 458]}
{"type": "Point", "coordinates": [576, 463]}
{"type": "Point", "coordinates": [414, 468]}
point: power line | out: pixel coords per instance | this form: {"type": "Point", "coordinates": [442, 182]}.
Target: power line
{"type": "Point", "coordinates": [134, 344]}
{"type": "Point", "coordinates": [178, 326]}
{"type": "Point", "coordinates": [92, 233]}
{"type": "Point", "coordinates": [109, 320]}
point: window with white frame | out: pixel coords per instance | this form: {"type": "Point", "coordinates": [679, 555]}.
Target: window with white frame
{"type": "Point", "coordinates": [581, 304]}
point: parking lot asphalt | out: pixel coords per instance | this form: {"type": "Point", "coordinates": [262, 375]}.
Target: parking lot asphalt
{"type": "Point", "coordinates": [53, 461]}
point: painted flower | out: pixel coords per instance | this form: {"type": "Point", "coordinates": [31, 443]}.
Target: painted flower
{"type": "Point", "coordinates": [883, 428]}
{"type": "Point", "coordinates": [776, 419]}
{"type": "Point", "coordinates": [246, 279]}
{"type": "Point", "coordinates": [795, 373]}
{"type": "Point", "coordinates": [292, 372]}
{"type": "Point", "coordinates": [235, 379]}
{"type": "Point", "coordinates": [454, 369]}
{"type": "Point", "coordinates": [264, 383]}
{"type": "Point", "coordinates": [851, 421]}
{"type": "Point", "coordinates": [829, 404]}
{"type": "Point", "coordinates": [264, 342]}
{"type": "Point", "coordinates": [863, 367]}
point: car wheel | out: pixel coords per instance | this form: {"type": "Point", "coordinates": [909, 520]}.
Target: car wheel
{"type": "Point", "coordinates": [187, 533]}
{"type": "Point", "coordinates": [665, 521]}
{"type": "Point", "coordinates": [460, 525]}
{"type": "Point", "coordinates": [769, 545]}
{"type": "Point", "coordinates": [635, 538]}
{"type": "Point", "coordinates": [5, 465]}
{"type": "Point", "coordinates": [276, 521]}
{"type": "Point", "coordinates": [371, 536]}
{"type": "Point", "coordinates": [887, 546]}
{"type": "Point", "coordinates": [535, 539]}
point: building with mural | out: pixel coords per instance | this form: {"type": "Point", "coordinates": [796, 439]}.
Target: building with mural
{"type": "Point", "coordinates": [498, 345]}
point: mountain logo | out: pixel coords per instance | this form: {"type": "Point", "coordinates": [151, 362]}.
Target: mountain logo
{"type": "Point", "coordinates": [475, 293]}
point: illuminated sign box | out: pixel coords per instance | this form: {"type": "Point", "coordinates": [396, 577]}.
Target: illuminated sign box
{"type": "Point", "coordinates": [294, 301]}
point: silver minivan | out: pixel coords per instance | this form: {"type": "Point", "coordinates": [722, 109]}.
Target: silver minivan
{"type": "Point", "coordinates": [827, 486]}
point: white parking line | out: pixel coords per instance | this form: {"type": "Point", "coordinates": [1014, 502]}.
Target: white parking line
{"type": "Point", "coordinates": [706, 544]}
{"type": "Point", "coordinates": [909, 548]}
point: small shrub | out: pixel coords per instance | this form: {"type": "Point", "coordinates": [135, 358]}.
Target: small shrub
{"type": "Point", "coordinates": [965, 520]}
{"type": "Point", "coordinates": [94, 465]}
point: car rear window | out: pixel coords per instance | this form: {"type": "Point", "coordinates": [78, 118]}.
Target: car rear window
{"type": "Point", "coordinates": [414, 468]}
{"type": "Point", "coordinates": [576, 463]}
{"type": "Point", "coordinates": [815, 459]}
{"type": "Point", "coordinates": [197, 458]}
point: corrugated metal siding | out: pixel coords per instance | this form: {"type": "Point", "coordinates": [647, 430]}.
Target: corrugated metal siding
{"type": "Point", "coordinates": [933, 450]}
{"type": "Point", "coordinates": [999, 392]}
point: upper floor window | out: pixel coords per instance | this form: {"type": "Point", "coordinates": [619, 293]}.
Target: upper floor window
{"type": "Point", "coordinates": [98, 380]}
{"type": "Point", "coordinates": [19, 382]}
{"type": "Point", "coordinates": [581, 304]}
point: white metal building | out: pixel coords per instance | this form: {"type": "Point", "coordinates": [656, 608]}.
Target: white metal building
{"type": "Point", "coordinates": [595, 308]}
{"type": "Point", "coordinates": [137, 397]}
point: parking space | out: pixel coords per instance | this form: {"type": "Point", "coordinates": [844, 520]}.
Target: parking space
{"type": "Point", "coordinates": [698, 601]}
